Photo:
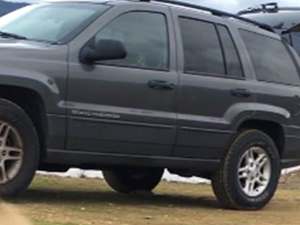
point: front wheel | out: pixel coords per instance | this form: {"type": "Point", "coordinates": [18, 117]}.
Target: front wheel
{"type": "Point", "coordinates": [249, 174]}
{"type": "Point", "coordinates": [128, 180]}
{"type": "Point", "coordinates": [19, 149]}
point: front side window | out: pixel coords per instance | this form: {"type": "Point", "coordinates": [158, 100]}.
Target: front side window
{"type": "Point", "coordinates": [202, 48]}
{"type": "Point", "coordinates": [271, 60]}
{"type": "Point", "coordinates": [50, 22]}
{"type": "Point", "coordinates": [145, 38]}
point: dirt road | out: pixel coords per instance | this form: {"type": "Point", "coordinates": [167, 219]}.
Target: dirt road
{"type": "Point", "coordinates": [61, 201]}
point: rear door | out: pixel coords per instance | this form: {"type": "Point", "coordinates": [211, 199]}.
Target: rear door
{"type": "Point", "coordinates": [125, 106]}
{"type": "Point", "coordinates": [212, 85]}
{"type": "Point", "coordinates": [279, 83]}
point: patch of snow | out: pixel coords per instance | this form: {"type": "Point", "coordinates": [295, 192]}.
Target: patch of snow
{"type": "Point", "coordinates": [96, 174]}
{"type": "Point", "coordinates": [291, 170]}
{"type": "Point", "coordinates": [175, 178]}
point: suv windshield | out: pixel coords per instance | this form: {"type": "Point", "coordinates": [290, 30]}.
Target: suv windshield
{"type": "Point", "coordinates": [50, 22]}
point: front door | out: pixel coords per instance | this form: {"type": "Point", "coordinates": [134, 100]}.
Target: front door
{"type": "Point", "coordinates": [126, 106]}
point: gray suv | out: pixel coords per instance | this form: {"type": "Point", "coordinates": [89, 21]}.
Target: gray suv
{"type": "Point", "coordinates": [136, 87]}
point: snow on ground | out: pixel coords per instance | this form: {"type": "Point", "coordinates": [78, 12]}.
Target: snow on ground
{"type": "Point", "coordinates": [77, 173]}
{"type": "Point", "coordinates": [94, 174]}
{"type": "Point", "coordinates": [291, 170]}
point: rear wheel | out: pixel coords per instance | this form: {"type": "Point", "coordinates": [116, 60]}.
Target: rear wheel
{"type": "Point", "coordinates": [249, 173]}
{"type": "Point", "coordinates": [128, 180]}
{"type": "Point", "coordinates": [19, 149]}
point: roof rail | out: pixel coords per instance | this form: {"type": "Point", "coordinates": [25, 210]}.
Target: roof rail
{"type": "Point", "coordinates": [215, 12]}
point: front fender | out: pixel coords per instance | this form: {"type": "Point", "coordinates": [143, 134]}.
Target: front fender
{"type": "Point", "coordinates": [42, 84]}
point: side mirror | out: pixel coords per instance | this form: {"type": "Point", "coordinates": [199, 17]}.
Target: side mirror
{"type": "Point", "coordinates": [104, 49]}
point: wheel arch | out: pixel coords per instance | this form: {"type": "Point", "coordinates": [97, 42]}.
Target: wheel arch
{"type": "Point", "coordinates": [272, 128]}
{"type": "Point", "coordinates": [266, 118]}
{"type": "Point", "coordinates": [33, 104]}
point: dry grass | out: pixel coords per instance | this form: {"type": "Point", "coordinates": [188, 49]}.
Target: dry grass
{"type": "Point", "coordinates": [57, 201]}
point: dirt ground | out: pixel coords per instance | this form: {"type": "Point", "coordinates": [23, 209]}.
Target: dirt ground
{"type": "Point", "coordinates": [61, 201]}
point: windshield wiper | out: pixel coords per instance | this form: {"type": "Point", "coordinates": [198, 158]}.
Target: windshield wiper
{"type": "Point", "coordinates": [19, 37]}
{"type": "Point", "coordinates": [11, 35]}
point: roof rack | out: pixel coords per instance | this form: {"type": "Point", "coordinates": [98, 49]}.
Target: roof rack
{"type": "Point", "coordinates": [216, 13]}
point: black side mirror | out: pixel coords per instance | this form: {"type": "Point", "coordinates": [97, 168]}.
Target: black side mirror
{"type": "Point", "coordinates": [104, 49]}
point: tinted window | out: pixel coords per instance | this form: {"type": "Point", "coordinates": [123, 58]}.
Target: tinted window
{"type": "Point", "coordinates": [202, 49]}
{"type": "Point", "coordinates": [287, 38]}
{"type": "Point", "coordinates": [145, 38]}
{"type": "Point", "coordinates": [271, 59]}
{"type": "Point", "coordinates": [296, 41]}
{"type": "Point", "coordinates": [233, 63]}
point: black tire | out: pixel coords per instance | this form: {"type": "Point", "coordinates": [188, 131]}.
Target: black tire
{"type": "Point", "coordinates": [16, 117]}
{"type": "Point", "coordinates": [128, 180]}
{"type": "Point", "coordinates": [226, 184]}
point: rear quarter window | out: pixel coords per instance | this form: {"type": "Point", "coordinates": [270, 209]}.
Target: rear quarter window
{"type": "Point", "coordinates": [271, 59]}
{"type": "Point", "coordinates": [232, 58]}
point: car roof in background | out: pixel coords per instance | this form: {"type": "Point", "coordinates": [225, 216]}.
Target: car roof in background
{"type": "Point", "coordinates": [282, 19]}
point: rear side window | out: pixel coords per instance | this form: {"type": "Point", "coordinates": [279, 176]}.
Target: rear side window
{"type": "Point", "coordinates": [202, 48]}
{"type": "Point", "coordinates": [232, 59]}
{"type": "Point", "coordinates": [295, 36]}
{"type": "Point", "coordinates": [271, 60]}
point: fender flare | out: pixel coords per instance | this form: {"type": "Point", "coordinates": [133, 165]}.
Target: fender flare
{"type": "Point", "coordinates": [241, 112]}
{"type": "Point", "coordinates": [41, 84]}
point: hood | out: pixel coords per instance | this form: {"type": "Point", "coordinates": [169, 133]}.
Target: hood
{"type": "Point", "coordinates": [30, 55]}
{"type": "Point", "coordinates": [22, 58]}
{"type": "Point", "coordinates": [11, 49]}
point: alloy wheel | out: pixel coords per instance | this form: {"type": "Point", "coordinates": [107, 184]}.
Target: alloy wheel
{"type": "Point", "coordinates": [11, 152]}
{"type": "Point", "coordinates": [254, 171]}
